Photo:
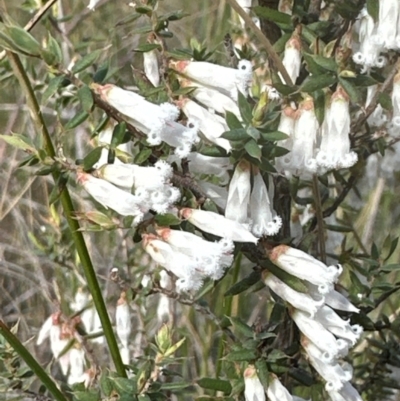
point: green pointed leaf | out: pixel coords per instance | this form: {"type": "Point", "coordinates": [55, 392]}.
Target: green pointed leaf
{"type": "Point", "coordinates": [247, 355]}
{"type": "Point", "coordinates": [52, 88]}
{"type": "Point", "coordinates": [245, 109]}
{"type": "Point", "coordinates": [166, 220]}
{"type": "Point", "coordinates": [272, 15]}
{"type": "Point", "coordinates": [232, 121]}
{"type": "Point", "coordinates": [92, 158]}
{"type": "Point", "coordinates": [86, 61]}
{"type": "Point", "coordinates": [19, 142]}
{"type": "Point", "coordinates": [76, 120]}
{"type": "Point", "coordinates": [180, 385]}
{"type": "Point", "coordinates": [147, 47]}
{"type": "Point", "coordinates": [244, 284]}
{"type": "Point", "coordinates": [274, 136]}
{"type": "Point", "coordinates": [118, 134]}
{"type": "Point", "coordinates": [58, 188]}
{"type": "Point", "coordinates": [262, 372]}
{"type": "Point", "coordinates": [54, 48]}
{"type": "Point", "coordinates": [350, 89]}
{"type": "Point", "coordinates": [324, 62]}
{"type": "Point", "coordinates": [86, 98]}
{"type": "Point", "coordinates": [241, 327]}
{"type": "Point", "coordinates": [319, 105]}
{"type": "Point", "coordinates": [106, 384]}
{"type": "Point", "coordinates": [123, 385]}
{"type": "Point", "coordinates": [385, 101]}
{"type": "Point", "coordinates": [236, 134]}
{"type": "Point", "coordinates": [253, 133]}
{"type": "Point", "coordinates": [253, 149]}
{"type": "Point", "coordinates": [373, 9]}
{"type": "Point", "coordinates": [215, 384]}
{"type": "Point", "coordinates": [316, 82]}
{"type": "Point", "coordinates": [24, 40]}
{"type": "Point", "coordinates": [100, 74]}
{"type": "Point", "coordinates": [142, 156]}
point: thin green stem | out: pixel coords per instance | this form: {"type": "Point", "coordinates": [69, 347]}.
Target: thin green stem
{"type": "Point", "coordinates": [263, 39]}
{"type": "Point", "coordinates": [320, 218]}
{"type": "Point", "coordinates": [68, 208]}
{"type": "Point", "coordinates": [227, 313]}
{"type": "Point", "coordinates": [31, 362]}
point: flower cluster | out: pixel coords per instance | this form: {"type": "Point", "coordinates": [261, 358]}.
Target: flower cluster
{"type": "Point", "coordinates": [246, 205]}
{"type": "Point", "coordinates": [71, 358]}
{"type": "Point", "coordinates": [189, 257]}
{"type": "Point", "coordinates": [379, 36]}
{"type": "Point", "coordinates": [326, 337]}
{"type": "Point", "coordinates": [304, 133]}
{"type": "Point", "coordinates": [157, 122]}
{"type": "Point", "coordinates": [152, 190]}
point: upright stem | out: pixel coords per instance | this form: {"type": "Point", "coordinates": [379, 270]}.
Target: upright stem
{"type": "Point", "coordinates": [320, 218]}
{"type": "Point", "coordinates": [31, 362]}
{"type": "Point", "coordinates": [68, 207]}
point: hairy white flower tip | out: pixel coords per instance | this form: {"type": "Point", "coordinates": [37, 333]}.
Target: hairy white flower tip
{"type": "Point", "coordinates": [170, 111]}
{"type": "Point", "coordinates": [153, 138]}
{"type": "Point", "coordinates": [172, 194]}
{"type": "Point", "coordinates": [160, 208]}
{"type": "Point", "coordinates": [114, 270]}
{"type": "Point", "coordinates": [335, 271]}
{"type": "Point", "coordinates": [311, 165]}
{"type": "Point", "coordinates": [349, 159]}
{"type": "Point", "coordinates": [183, 151]}
{"type": "Point", "coordinates": [226, 245]}
{"type": "Point", "coordinates": [324, 288]}
{"type": "Point", "coordinates": [273, 93]}
{"type": "Point", "coordinates": [92, 4]}
{"type": "Point", "coordinates": [357, 329]}
{"type": "Point", "coordinates": [142, 194]}
{"type": "Point", "coordinates": [358, 58]}
{"type": "Point", "coordinates": [164, 168]}
{"type": "Point", "coordinates": [245, 67]}
{"type": "Point", "coordinates": [396, 121]}
{"type": "Point", "coordinates": [188, 284]}
{"type": "Point", "coordinates": [348, 371]}
{"type": "Point", "coordinates": [327, 357]}
{"type": "Point", "coordinates": [333, 385]}
{"type": "Point", "coordinates": [343, 347]}
{"type": "Point", "coordinates": [380, 62]}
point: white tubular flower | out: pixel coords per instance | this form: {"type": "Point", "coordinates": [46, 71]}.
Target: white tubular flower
{"type": "Point", "coordinates": [181, 137]}
{"type": "Point", "coordinates": [335, 152]}
{"type": "Point", "coordinates": [123, 320]}
{"type": "Point", "coordinates": [148, 117]}
{"type": "Point", "coordinates": [110, 196]}
{"type": "Point", "coordinates": [297, 299]}
{"type": "Point", "coordinates": [305, 267]}
{"type": "Point", "coordinates": [292, 57]}
{"type": "Point", "coordinates": [261, 212]}
{"type": "Point", "coordinates": [388, 23]}
{"type": "Point", "coordinates": [92, 4]}
{"type": "Point", "coordinates": [211, 257]}
{"type": "Point", "coordinates": [217, 166]}
{"type": "Point", "coordinates": [44, 332]}
{"type": "Point", "coordinates": [277, 391]}
{"type": "Point", "coordinates": [346, 393]}
{"type": "Point", "coordinates": [396, 96]}
{"type": "Point", "coordinates": [181, 265]}
{"type": "Point", "coordinates": [77, 366]}
{"type": "Point", "coordinates": [150, 66]}
{"type": "Point", "coordinates": [212, 99]}
{"type": "Point", "coordinates": [125, 355]}
{"type": "Point", "coordinates": [337, 301]}
{"type": "Point", "coordinates": [253, 389]}
{"type": "Point", "coordinates": [226, 80]}
{"type": "Point", "coordinates": [239, 193]}
{"type": "Point", "coordinates": [218, 225]}
{"type": "Point", "coordinates": [209, 124]}
{"type": "Point", "coordinates": [336, 325]}
{"type": "Point", "coordinates": [302, 161]}
{"type": "Point", "coordinates": [317, 333]}
{"type": "Point", "coordinates": [286, 125]}
{"type": "Point", "coordinates": [163, 309]}
{"type": "Point", "coordinates": [217, 194]}
{"type": "Point", "coordinates": [129, 175]}
{"type": "Point", "coordinates": [329, 370]}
